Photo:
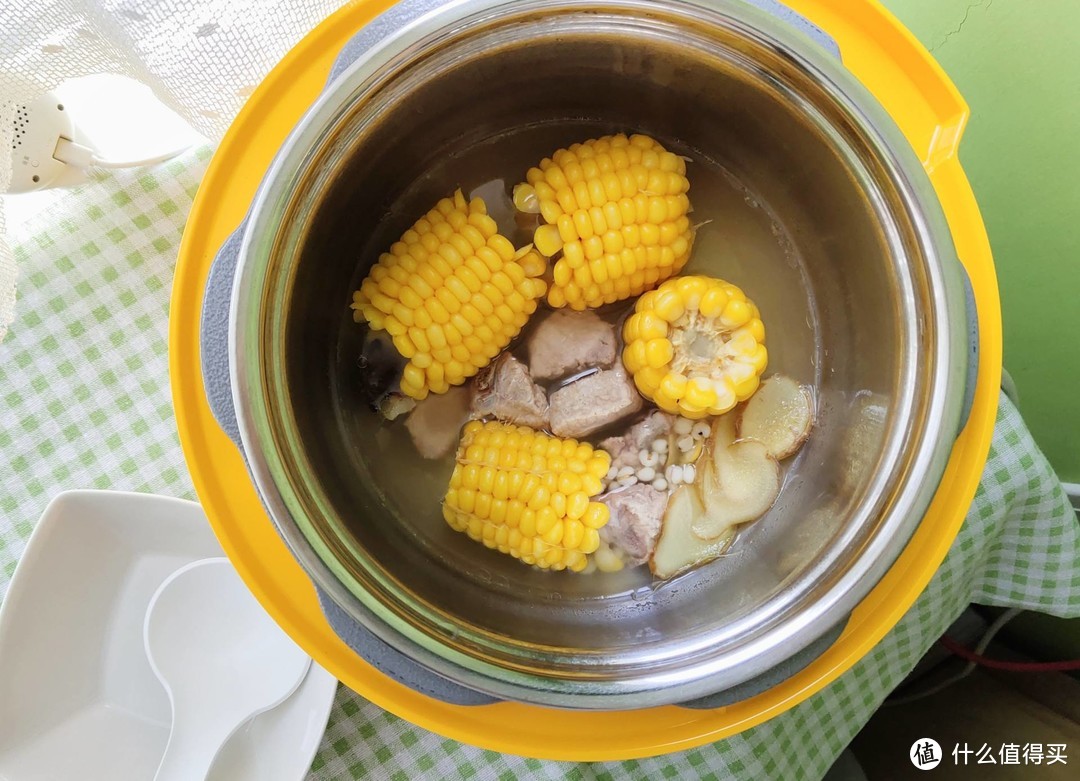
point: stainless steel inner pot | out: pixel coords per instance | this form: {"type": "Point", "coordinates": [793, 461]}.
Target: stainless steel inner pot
{"type": "Point", "coordinates": [871, 262]}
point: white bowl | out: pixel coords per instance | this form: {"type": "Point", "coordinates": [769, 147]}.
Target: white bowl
{"type": "Point", "coordinates": [77, 696]}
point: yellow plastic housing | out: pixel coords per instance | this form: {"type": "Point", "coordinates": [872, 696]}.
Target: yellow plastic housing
{"type": "Point", "coordinates": [911, 86]}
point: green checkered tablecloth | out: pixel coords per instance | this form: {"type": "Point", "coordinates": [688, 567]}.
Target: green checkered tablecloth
{"type": "Point", "coordinates": [84, 402]}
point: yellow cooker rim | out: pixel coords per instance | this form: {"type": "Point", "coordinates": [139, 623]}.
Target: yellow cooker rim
{"type": "Point", "coordinates": [903, 76]}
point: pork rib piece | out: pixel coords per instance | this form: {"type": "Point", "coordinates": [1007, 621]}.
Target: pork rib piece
{"type": "Point", "coordinates": [634, 526]}
{"type": "Point", "coordinates": [567, 342]}
{"type": "Point", "coordinates": [505, 390]}
{"type": "Point", "coordinates": [624, 449]}
{"type": "Point", "coordinates": [593, 402]}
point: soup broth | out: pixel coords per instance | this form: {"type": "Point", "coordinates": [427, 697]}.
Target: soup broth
{"type": "Point", "coordinates": [739, 238]}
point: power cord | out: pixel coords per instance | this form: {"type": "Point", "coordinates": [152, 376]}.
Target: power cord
{"type": "Point", "coordinates": [80, 156]}
{"type": "Point", "coordinates": [48, 149]}
{"type": "Point", "coordinates": [977, 658]}
{"type": "Point", "coordinates": [969, 668]}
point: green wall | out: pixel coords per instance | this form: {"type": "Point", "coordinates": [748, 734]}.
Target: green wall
{"type": "Point", "coordinates": [1017, 62]}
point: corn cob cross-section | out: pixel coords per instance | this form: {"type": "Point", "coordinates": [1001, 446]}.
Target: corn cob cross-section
{"type": "Point", "coordinates": [528, 494]}
{"type": "Point", "coordinates": [695, 346]}
{"type": "Point", "coordinates": [617, 209]}
{"type": "Point", "coordinates": [452, 293]}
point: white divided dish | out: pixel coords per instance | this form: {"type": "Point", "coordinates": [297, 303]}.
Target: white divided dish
{"type": "Point", "coordinates": [78, 698]}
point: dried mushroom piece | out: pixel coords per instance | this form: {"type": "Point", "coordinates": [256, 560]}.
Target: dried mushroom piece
{"type": "Point", "coordinates": [380, 367]}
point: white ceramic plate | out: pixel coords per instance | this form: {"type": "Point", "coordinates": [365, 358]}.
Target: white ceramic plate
{"type": "Point", "coordinates": [77, 696]}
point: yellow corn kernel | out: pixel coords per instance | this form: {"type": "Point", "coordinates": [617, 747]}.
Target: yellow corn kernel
{"type": "Point", "coordinates": [569, 482]}
{"type": "Point", "coordinates": [651, 325]}
{"type": "Point", "coordinates": [530, 261]}
{"type": "Point", "coordinates": [527, 527]}
{"type": "Point", "coordinates": [713, 302]}
{"type": "Point", "coordinates": [746, 388]}
{"type": "Point", "coordinates": [526, 199]}
{"type": "Point", "coordinates": [547, 240]}
{"type": "Point", "coordinates": [635, 356]}
{"type": "Point", "coordinates": [658, 352]}
{"type": "Point", "coordinates": [669, 305]}
{"type": "Point", "coordinates": [695, 346]}
{"type": "Point", "coordinates": [573, 533]}
{"type": "Point", "coordinates": [558, 504]}
{"type": "Point", "coordinates": [648, 380]}
{"type": "Point", "coordinates": [599, 465]}
{"type": "Point", "coordinates": [554, 533]}
{"type": "Point", "coordinates": [674, 385]}
{"type": "Point", "coordinates": [599, 200]}
{"type": "Point", "coordinates": [577, 505]}
{"type": "Point", "coordinates": [736, 313]}
{"type": "Point", "coordinates": [596, 515]}
{"type": "Point", "coordinates": [452, 293]}
{"type": "Point", "coordinates": [665, 402]}
{"type": "Point", "coordinates": [542, 516]}
{"type": "Point", "coordinates": [700, 393]}
{"type": "Point", "coordinates": [590, 541]}
{"type": "Point", "coordinates": [545, 520]}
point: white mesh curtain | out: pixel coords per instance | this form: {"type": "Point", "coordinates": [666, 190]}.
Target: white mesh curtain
{"type": "Point", "coordinates": [201, 57]}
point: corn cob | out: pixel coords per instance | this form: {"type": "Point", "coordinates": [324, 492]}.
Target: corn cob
{"type": "Point", "coordinates": [452, 293]}
{"type": "Point", "coordinates": [695, 346]}
{"type": "Point", "coordinates": [528, 494]}
{"type": "Point", "coordinates": [616, 208]}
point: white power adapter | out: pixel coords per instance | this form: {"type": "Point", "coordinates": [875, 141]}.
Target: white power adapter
{"type": "Point", "coordinates": [38, 127]}
{"type": "Point", "coordinates": [48, 149]}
